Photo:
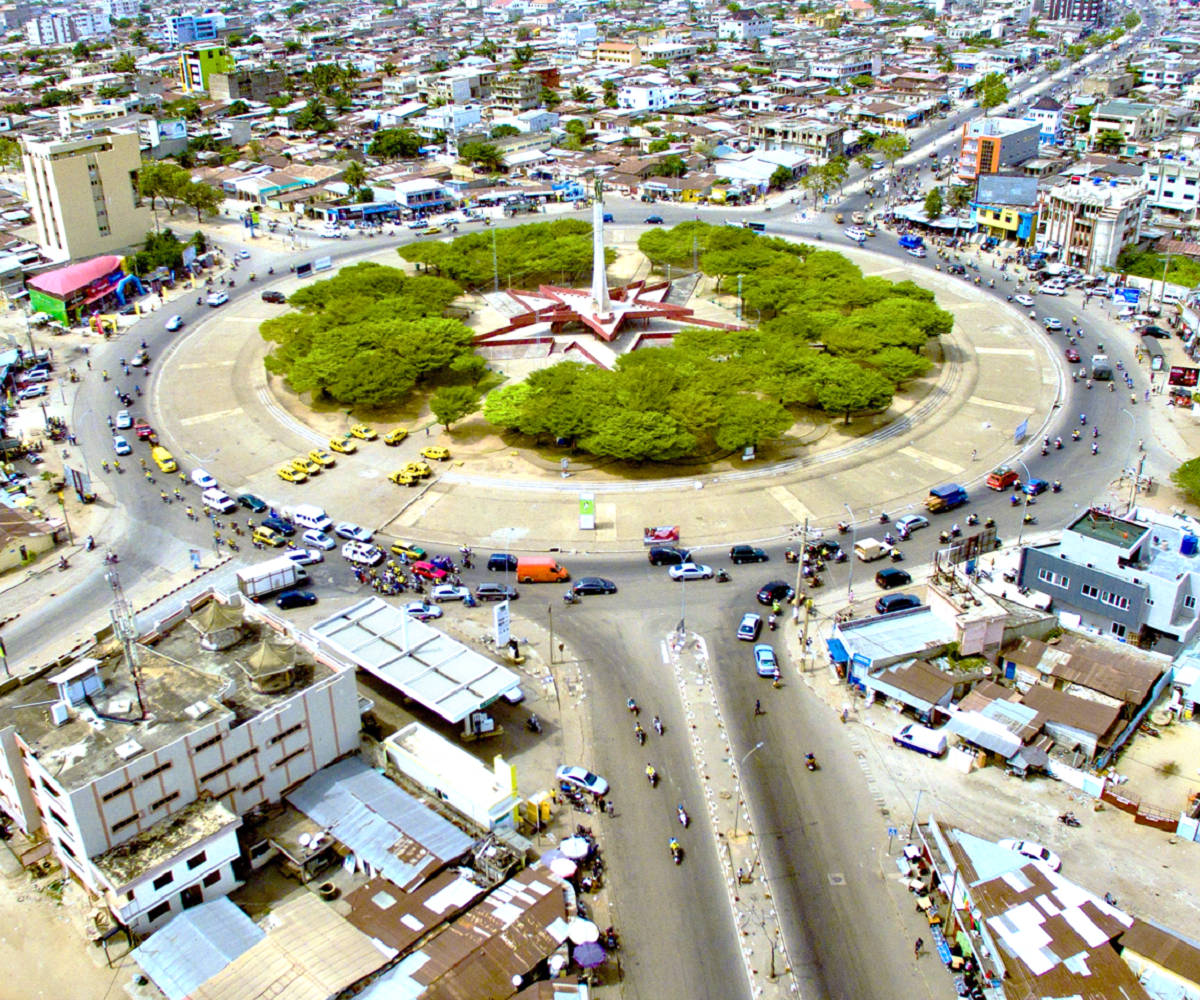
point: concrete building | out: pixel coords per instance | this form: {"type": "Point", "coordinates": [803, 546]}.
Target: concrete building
{"type": "Point", "coordinates": [457, 87]}
{"type": "Point", "coordinates": [571, 36]}
{"type": "Point", "coordinates": [517, 91]}
{"type": "Point", "coordinates": [1169, 74]}
{"type": "Point", "coordinates": [197, 64]}
{"type": "Point", "coordinates": [743, 26]}
{"type": "Point", "coordinates": [186, 29]}
{"type": "Point", "coordinates": [246, 85]}
{"type": "Point", "coordinates": [66, 29]}
{"type": "Point", "coordinates": [1135, 577]}
{"type": "Point", "coordinates": [821, 140]}
{"type": "Point", "coordinates": [84, 194]}
{"type": "Point", "coordinates": [1006, 207]}
{"type": "Point", "coordinates": [1048, 113]}
{"type": "Point", "coordinates": [843, 68]}
{"type": "Point", "coordinates": [138, 774]}
{"type": "Point", "coordinates": [1084, 11]}
{"type": "Point", "coordinates": [1172, 183]}
{"type": "Point", "coordinates": [1090, 219]}
{"type": "Point", "coordinates": [618, 54]}
{"type": "Point", "coordinates": [989, 145]}
{"type": "Point", "coordinates": [1136, 121]}
{"type": "Point", "coordinates": [645, 96]}
{"type": "Point", "coordinates": [117, 9]}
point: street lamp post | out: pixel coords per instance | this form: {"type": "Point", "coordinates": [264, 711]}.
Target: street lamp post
{"type": "Point", "coordinates": [850, 560]}
{"type": "Point", "coordinates": [1025, 505]}
{"type": "Point", "coordinates": [737, 798]}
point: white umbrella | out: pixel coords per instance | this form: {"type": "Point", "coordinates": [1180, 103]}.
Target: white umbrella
{"type": "Point", "coordinates": [563, 867]}
{"type": "Point", "coordinates": [574, 848]}
{"type": "Point", "coordinates": [581, 931]}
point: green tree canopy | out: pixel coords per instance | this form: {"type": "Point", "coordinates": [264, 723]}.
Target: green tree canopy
{"type": "Point", "coordinates": [992, 91]}
{"type": "Point", "coordinates": [453, 402]}
{"type": "Point", "coordinates": [1110, 140]}
{"type": "Point", "coordinates": [394, 144]}
{"type": "Point", "coordinates": [367, 336]}
{"type": "Point", "coordinates": [1187, 478]}
{"type": "Point", "coordinates": [934, 204]}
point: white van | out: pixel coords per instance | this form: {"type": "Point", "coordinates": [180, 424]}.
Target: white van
{"type": "Point", "coordinates": [218, 500]}
{"type": "Point", "coordinates": [310, 516]}
{"type": "Point", "coordinates": [922, 739]}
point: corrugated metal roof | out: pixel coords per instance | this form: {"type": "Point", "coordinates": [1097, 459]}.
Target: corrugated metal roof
{"type": "Point", "coordinates": [417, 659]}
{"type": "Point", "coordinates": [196, 945]}
{"type": "Point", "coordinates": [386, 827]}
{"type": "Point", "coordinates": [983, 732]}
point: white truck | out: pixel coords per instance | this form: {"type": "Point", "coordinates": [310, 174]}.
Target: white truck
{"type": "Point", "coordinates": [270, 576]}
{"type": "Point", "coordinates": [870, 549]}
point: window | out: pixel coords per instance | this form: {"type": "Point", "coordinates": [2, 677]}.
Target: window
{"type": "Point", "coordinates": [196, 861]}
{"type": "Point", "coordinates": [245, 756]}
{"type": "Point", "coordinates": [212, 741]}
{"type": "Point", "coordinates": [294, 753]}
{"type": "Point", "coordinates": [58, 819]}
{"type": "Point", "coordinates": [1087, 590]}
{"type": "Point", "coordinates": [155, 806]}
{"type": "Point", "coordinates": [158, 911]}
{"type": "Point", "coordinates": [1114, 600]}
{"type": "Point", "coordinates": [1054, 579]}
{"type": "Point", "coordinates": [212, 774]}
{"type": "Point", "coordinates": [122, 823]}
{"type": "Point", "coordinates": [163, 880]}
{"type": "Point", "coordinates": [285, 734]}
{"type": "Point", "coordinates": [156, 770]}
{"type": "Point", "coordinates": [119, 790]}
{"type": "Point", "coordinates": [212, 878]}
{"type": "Point", "coordinates": [252, 784]}
{"type": "Point", "coordinates": [1189, 601]}
{"type": "Point", "coordinates": [1118, 630]}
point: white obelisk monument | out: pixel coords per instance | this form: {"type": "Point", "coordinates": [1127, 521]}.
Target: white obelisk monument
{"type": "Point", "coordinates": [600, 304]}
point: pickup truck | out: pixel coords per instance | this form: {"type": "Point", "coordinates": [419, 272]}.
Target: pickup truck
{"type": "Point", "coordinates": [947, 497]}
{"type": "Point", "coordinates": [870, 549]}
{"type": "Point", "coordinates": [911, 242]}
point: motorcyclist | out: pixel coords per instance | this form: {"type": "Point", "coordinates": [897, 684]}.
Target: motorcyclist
{"type": "Point", "coordinates": [684, 819]}
{"type": "Point", "coordinates": [658, 726]}
{"type": "Point", "coordinates": [639, 732]}
{"type": "Point", "coordinates": [651, 774]}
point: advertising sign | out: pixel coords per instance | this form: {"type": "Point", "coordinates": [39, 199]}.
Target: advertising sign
{"type": "Point", "coordinates": [322, 264]}
{"type": "Point", "coordinates": [303, 270]}
{"type": "Point", "coordinates": [587, 511]}
{"type": "Point", "coordinates": [1181, 376]}
{"type": "Point", "coordinates": [501, 620]}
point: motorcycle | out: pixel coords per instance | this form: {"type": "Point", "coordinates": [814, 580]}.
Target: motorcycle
{"type": "Point", "coordinates": [651, 776]}
{"type": "Point", "coordinates": [611, 941]}
{"type": "Point", "coordinates": [1068, 819]}
{"type": "Point", "coordinates": [897, 555]}
{"type": "Point", "coordinates": [791, 556]}
{"type": "Point", "coordinates": [843, 528]}
{"type": "Point", "coordinates": [1058, 444]}
{"type": "Point", "coordinates": [570, 597]}
{"type": "Point", "coordinates": [676, 851]}
{"type": "Point", "coordinates": [684, 818]}
{"type": "Point", "coordinates": [1056, 487]}
{"type": "Point", "coordinates": [883, 517]}
{"type": "Point", "coordinates": [639, 734]}
{"type": "Point", "coordinates": [772, 622]}
{"type": "Point", "coordinates": [111, 558]}
{"type": "Point", "coordinates": [533, 723]}
{"type": "Point", "coordinates": [1110, 899]}
{"type": "Point", "coordinates": [955, 531]}
{"type": "Point", "coordinates": [810, 761]}
{"type": "Point", "coordinates": [722, 576]}
{"type": "Point", "coordinates": [658, 726]}
{"type": "Point", "coordinates": [632, 706]}
{"type": "Point", "coordinates": [889, 538]}
{"type": "Point", "coordinates": [990, 522]}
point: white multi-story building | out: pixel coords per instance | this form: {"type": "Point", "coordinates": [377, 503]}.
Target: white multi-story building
{"type": "Point", "coordinates": [571, 36]}
{"type": "Point", "coordinates": [1172, 185]}
{"type": "Point", "coordinates": [138, 775]}
{"type": "Point", "coordinates": [1047, 112]}
{"type": "Point", "coordinates": [743, 26]}
{"type": "Point", "coordinates": [65, 29]}
{"type": "Point", "coordinates": [645, 96]}
{"type": "Point", "coordinates": [842, 68]}
{"type": "Point", "coordinates": [1089, 220]}
{"type": "Point", "coordinates": [122, 8]}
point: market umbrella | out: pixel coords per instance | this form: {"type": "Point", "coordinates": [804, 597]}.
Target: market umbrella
{"type": "Point", "coordinates": [582, 931]}
{"type": "Point", "coordinates": [574, 848]}
{"type": "Point", "coordinates": [590, 955]}
{"type": "Point", "coordinates": [563, 867]}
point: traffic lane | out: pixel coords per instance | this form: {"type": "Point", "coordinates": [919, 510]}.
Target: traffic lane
{"type": "Point", "coordinates": [664, 911]}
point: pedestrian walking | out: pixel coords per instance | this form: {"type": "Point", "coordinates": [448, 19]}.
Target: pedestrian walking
{"type": "Point", "coordinates": [920, 943]}
{"type": "Point", "coordinates": [758, 707]}
{"type": "Point", "coordinates": [974, 454]}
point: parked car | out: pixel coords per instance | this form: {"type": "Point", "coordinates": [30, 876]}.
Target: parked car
{"type": "Point", "coordinates": [121, 446]}
{"type": "Point", "coordinates": [496, 592]}
{"type": "Point", "coordinates": [278, 298]}
{"type": "Point", "coordinates": [318, 538]}
{"type": "Point", "coordinates": [32, 392]}
{"type": "Point", "coordinates": [1034, 851]}
{"type": "Point", "coordinates": [746, 553]}
{"type": "Point", "coordinates": [765, 663]}
{"type": "Point", "coordinates": [252, 503]}
{"type": "Point", "coordinates": [581, 778]}
{"type": "Point", "coordinates": [436, 453]}
{"type": "Point", "coordinates": [775, 590]}
{"type": "Point", "coordinates": [295, 599]}
{"type": "Point", "coordinates": [422, 611]}
{"type": "Point", "coordinates": [203, 479]}
{"type": "Point", "coordinates": [891, 577]}
{"type": "Point", "coordinates": [896, 602]}
{"type": "Point", "coordinates": [665, 555]}
{"type": "Point", "coordinates": [749, 627]}
{"type": "Point", "coordinates": [449, 592]}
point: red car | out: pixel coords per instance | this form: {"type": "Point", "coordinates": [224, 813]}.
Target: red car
{"type": "Point", "coordinates": [1072, 355]}
{"type": "Point", "coordinates": [429, 571]}
{"type": "Point", "coordinates": [142, 429]}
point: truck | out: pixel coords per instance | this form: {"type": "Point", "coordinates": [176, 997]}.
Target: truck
{"type": "Point", "coordinates": [947, 497]}
{"type": "Point", "coordinates": [1101, 368]}
{"type": "Point", "coordinates": [910, 242]}
{"type": "Point", "coordinates": [870, 549]}
{"type": "Point", "coordinates": [270, 576]}
{"type": "Point", "coordinates": [540, 569]}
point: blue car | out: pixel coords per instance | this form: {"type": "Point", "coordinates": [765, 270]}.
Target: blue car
{"type": "Point", "coordinates": [280, 524]}
{"type": "Point", "coordinates": [1036, 486]}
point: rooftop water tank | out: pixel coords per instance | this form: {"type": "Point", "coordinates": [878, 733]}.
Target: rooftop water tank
{"type": "Point", "coordinates": [1189, 545]}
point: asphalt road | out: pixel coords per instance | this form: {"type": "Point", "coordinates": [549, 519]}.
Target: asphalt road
{"type": "Point", "coordinates": [812, 827]}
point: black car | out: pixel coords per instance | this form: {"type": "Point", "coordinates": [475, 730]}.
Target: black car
{"type": "Point", "coordinates": [654, 220]}
{"type": "Point", "coordinates": [251, 502]}
{"type": "Point", "coordinates": [594, 585]}
{"type": "Point", "coordinates": [1154, 331]}
{"type": "Point", "coordinates": [892, 577]}
{"type": "Point", "coordinates": [776, 590]}
{"type": "Point", "coordinates": [295, 599]}
{"type": "Point", "coordinates": [280, 524]}
{"type": "Point", "coordinates": [746, 553]}
{"type": "Point", "coordinates": [502, 562]}
{"type": "Point", "coordinates": [495, 592]}
{"type": "Point", "coordinates": [667, 555]}
{"type": "Point", "coordinates": [896, 602]}
{"type": "Point", "coordinates": [277, 297]}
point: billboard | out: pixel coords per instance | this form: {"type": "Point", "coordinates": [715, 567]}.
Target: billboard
{"type": "Point", "coordinates": [1182, 376]}
{"type": "Point", "coordinates": [303, 270]}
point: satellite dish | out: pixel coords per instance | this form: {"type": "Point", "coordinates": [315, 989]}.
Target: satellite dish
{"type": "Point", "coordinates": [304, 839]}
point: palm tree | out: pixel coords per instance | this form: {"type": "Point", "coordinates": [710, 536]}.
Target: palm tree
{"type": "Point", "coordinates": [355, 175]}
{"type": "Point", "coordinates": [580, 94]}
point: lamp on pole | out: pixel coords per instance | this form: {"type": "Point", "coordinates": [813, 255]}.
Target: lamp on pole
{"type": "Point", "coordinates": [1025, 505]}
{"type": "Point", "coordinates": [1141, 460]}
{"type": "Point", "coordinates": [850, 561]}
{"type": "Point", "coordinates": [737, 798]}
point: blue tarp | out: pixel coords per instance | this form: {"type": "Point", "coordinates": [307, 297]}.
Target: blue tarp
{"type": "Point", "coordinates": [837, 652]}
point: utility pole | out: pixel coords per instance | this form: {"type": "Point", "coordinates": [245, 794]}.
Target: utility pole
{"type": "Point", "coordinates": [495, 264]}
{"type": "Point", "coordinates": [550, 616]}
{"type": "Point", "coordinates": [800, 568]}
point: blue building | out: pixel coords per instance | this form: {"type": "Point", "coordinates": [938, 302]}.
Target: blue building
{"type": "Point", "coordinates": [184, 29]}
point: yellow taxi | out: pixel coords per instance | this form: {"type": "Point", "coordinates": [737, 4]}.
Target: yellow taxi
{"type": "Point", "coordinates": [306, 465]}
{"type": "Point", "coordinates": [396, 436]}
{"type": "Point", "coordinates": [267, 536]}
{"type": "Point", "coordinates": [436, 452]}
{"type": "Point", "coordinates": [419, 469]}
{"type": "Point", "coordinates": [290, 475]}
{"type": "Point", "coordinates": [321, 457]}
{"type": "Point", "coordinates": [343, 446]}
{"type": "Point", "coordinates": [363, 432]}
{"type": "Point", "coordinates": [409, 551]}
{"type": "Point", "coordinates": [402, 477]}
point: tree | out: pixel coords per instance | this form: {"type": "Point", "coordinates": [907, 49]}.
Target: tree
{"type": "Point", "coordinates": [747, 421]}
{"type": "Point", "coordinates": [1187, 478]}
{"type": "Point", "coordinates": [891, 147]}
{"type": "Point", "coordinates": [958, 196]}
{"type": "Point", "coordinates": [238, 107]}
{"type": "Point", "coordinates": [81, 51]}
{"type": "Point", "coordinates": [638, 437]}
{"type": "Point", "coordinates": [313, 118]}
{"type": "Point", "coordinates": [670, 166]}
{"type": "Point", "coordinates": [395, 144]}
{"type": "Point", "coordinates": [849, 389]}
{"type": "Point", "coordinates": [862, 81]}
{"type": "Point", "coordinates": [1110, 140]}
{"type": "Point", "coordinates": [355, 175]}
{"type": "Point", "coordinates": [865, 160]}
{"type": "Point", "coordinates": [522, 54]}
{"type": "Point", "coordinates": [898, 364]}
{"type": "Point", "coordinates": [10, 153]}
{"type": "Point", "coordinates": [934, 204]}
{"type": "Point", "coordinates": [453, 402]}
{"type": "Point", "coordinates": [580, 94]}
{"type": "Point", "coordinates": [781, 177]}
{"type": "Point", "coordinates": [204, 198]}
{"type": "Point", "coordinates": [550, 98]}
{"type": "Point", "coordinates": [991, 91]}
{"type": "Point", "coordinates": [487, 49]}
{"type": "Point", "coordinates": [658, 146]}
{"type": "Point", "coordinates": [124, 63]}
{"type": "Point", "coordinates": [500, 131]}
{"type": "Point", "coordinates": [480, 154]}
{"type": "Point", "coordinates": [158, 179]}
